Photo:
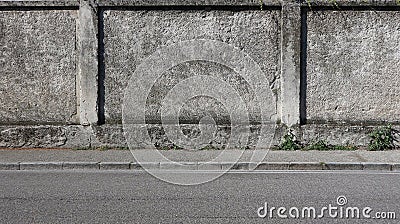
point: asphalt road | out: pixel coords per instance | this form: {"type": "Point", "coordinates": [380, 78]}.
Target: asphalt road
{"type": "Point", "coordinates": [137, 197]}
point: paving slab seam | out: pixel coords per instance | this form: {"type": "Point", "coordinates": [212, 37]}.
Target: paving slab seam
{"type": "Point", "coordinates": [368, 166]}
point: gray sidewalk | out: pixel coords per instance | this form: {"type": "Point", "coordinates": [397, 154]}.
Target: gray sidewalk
{"type": "Point", "coordinates": [275, 160]}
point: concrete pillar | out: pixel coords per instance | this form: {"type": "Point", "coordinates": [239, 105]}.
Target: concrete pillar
{"type": "Point", "coordinates": [290, 63]}
{"type": "Point", "coordinates": [88, 63]}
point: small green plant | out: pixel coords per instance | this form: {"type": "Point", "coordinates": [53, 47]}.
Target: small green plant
{"type": "Point", "coordinates": [103, 148]}
{"type": "Point", "coordinates": [382, 138]}
{"type": "Point", "coordinates": [289, 142]}
{"type": "Point", "coordinates": [322, 145]}
{"type": "Point", "coordinates": [319, 145]}
{"type": "Point", "coordinates": [309, 3]}
{"type": "Point", "coordinates": [334, 3]}
{"type": "Point", "coordinates": [163, 148]}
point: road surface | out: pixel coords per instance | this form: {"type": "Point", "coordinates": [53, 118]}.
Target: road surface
{"type": "Point", "coordinates": [137, 197]}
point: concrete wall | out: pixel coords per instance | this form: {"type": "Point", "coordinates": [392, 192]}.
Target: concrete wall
{"type": "Point", "coordinates": [353, 61]}
{"type": "Point", "coordinates": [332, 72]}
{"type": "Point", "coordinates": [131, 36]}
{"type": "Point", "coordinates": [38, 67]}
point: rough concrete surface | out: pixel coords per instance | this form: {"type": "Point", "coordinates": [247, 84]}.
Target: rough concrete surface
{"type": "Point", "coordinates": [337, 135]}
{"type": "Point", "coordinates": [47, 136]}
{"type": "Point", "coordinates": [40, 3]}
{"type": "Point", "coordinates": [355, 3]}
{"type": "Point", "coordinates": [87, 77]}
{"type": "Point", "coordinates": [51, 69]}
{"type": "Point", "coordinates": [38, 67]}
{"type": "Point", "coordinates": [76, 136]}
{"type": "Point", "coordinates": [353, 60]}
{"type": "Point", "coordinates": [290, 64]}
{"type": "Point", "coordinates": [255, 3]}
{"type": "Point", "coordinates": [131, 36]}
{"type": "Point", "coordinates": [201, 157]}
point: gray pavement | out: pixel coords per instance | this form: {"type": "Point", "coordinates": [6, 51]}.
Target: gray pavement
{"type": "Point", "coordinates": [392, 156]}
{"type": "Point", "coordinates": [137, 197]}
{"type": "Point", "coordinates": [194, 160]}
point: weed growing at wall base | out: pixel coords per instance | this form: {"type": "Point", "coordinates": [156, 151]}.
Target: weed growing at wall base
{"type": "Point", "coordinates": [289, 142]}
{"type": "Point", "coordinates": [382, 138]}
{"type": "Point", "coordinates": [320, 145]}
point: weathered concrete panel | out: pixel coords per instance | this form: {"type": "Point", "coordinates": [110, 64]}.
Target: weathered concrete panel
{"type": "Point", "coordinates": [47, 136]}
{"type": "Point", "coordinates": [353, 62]}
{"type": "Point", "coordinates": [131, 36]}
{"type": "Point", "coordinates": [38, 66]}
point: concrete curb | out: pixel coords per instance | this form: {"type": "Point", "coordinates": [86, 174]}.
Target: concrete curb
{"type": "Point", "coordinates": [199, 166]}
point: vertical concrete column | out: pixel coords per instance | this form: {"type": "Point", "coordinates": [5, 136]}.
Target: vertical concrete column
{"type": "Point", "coordinates": [290, 62]}
{"type": "Point", "coordinates": [88, 65]}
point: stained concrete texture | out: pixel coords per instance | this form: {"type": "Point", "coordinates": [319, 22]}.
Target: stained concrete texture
{"type": "Point", "coordinates": [38, 66]}
{"type": "Point", "coordinates": [77, 136]}
{"type": "Point", "coordinates": [131, 36]}
{"type": "Point", "coordinates": [47, 136]}
{"type": "Point", "coordinates": [353, 60]}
